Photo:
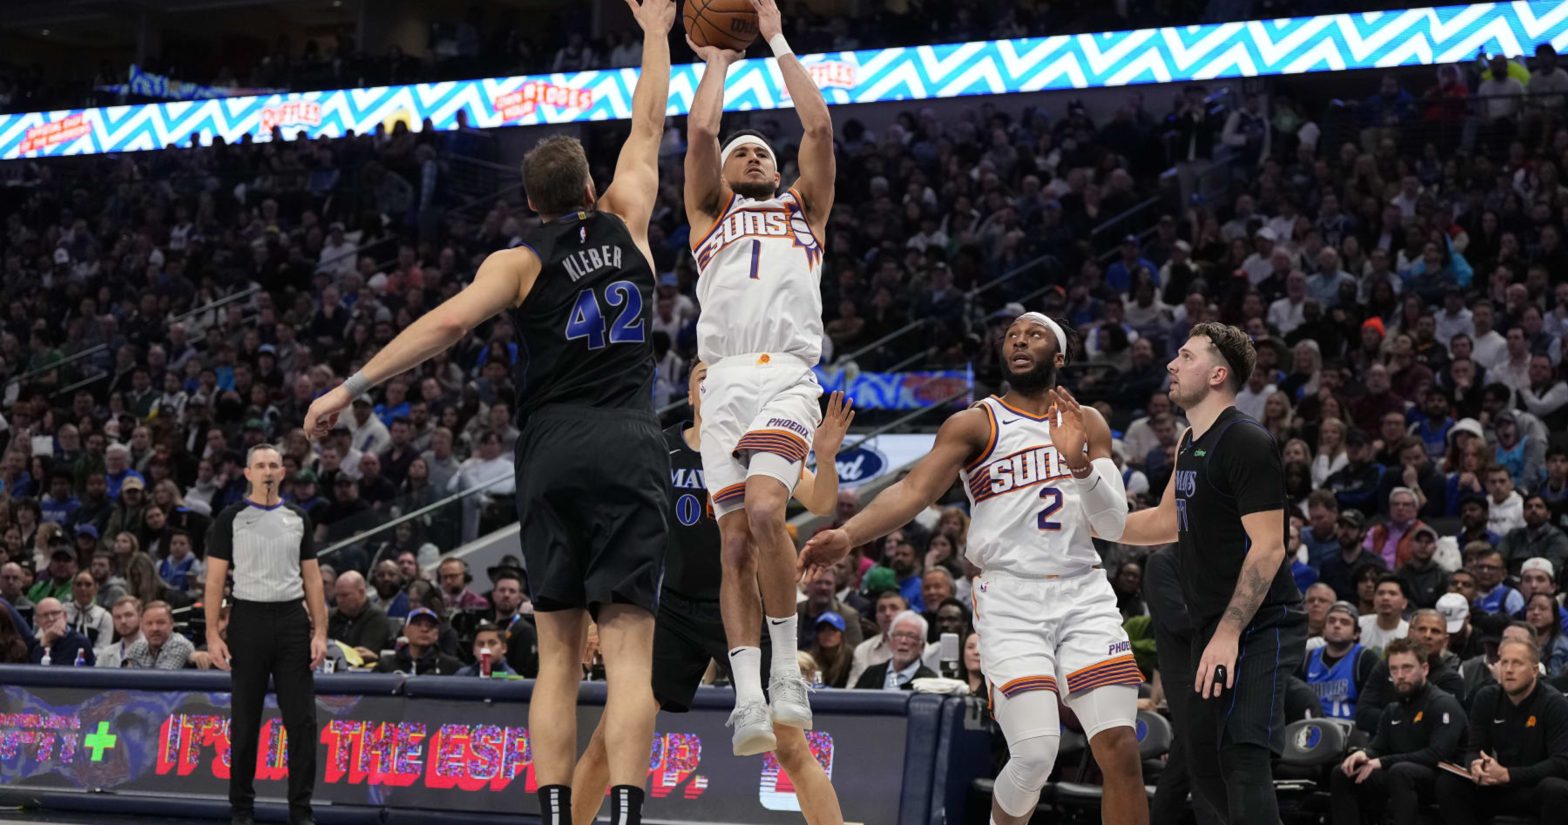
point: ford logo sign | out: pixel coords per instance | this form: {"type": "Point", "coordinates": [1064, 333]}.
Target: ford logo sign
{"type": "Point", "coordinates": [860, 465]}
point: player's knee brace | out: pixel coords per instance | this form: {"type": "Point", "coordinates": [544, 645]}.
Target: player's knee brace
{"type": "Point", "coordinates": [1105, 707]}
{"type": "Point", "coordinates": [775, 466]}
{"type": "Point", "coordinates": [1029, 764]}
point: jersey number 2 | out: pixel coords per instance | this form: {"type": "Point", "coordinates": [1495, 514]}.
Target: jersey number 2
{"type": "Point", "coordinates": [1053, 502]}
{"type": "Point", "coordinates": [587, 320]}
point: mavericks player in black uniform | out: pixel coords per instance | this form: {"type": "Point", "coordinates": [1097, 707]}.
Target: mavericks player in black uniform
{"type": "Point", "coordinates": [592, 464]}
{"type": "Point", "coordinates": [1225, 509]}
{"type": "Point", "coordinates": [690, 630]}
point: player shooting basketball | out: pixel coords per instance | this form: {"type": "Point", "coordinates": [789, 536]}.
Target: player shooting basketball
{"type": "Point", "coordinates": [759, 264]}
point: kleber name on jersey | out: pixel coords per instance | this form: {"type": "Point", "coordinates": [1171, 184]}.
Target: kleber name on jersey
{"type": "Point", "coordinates": [761, 224]}
{"type": "Point", "coordinates": [1026, 468]}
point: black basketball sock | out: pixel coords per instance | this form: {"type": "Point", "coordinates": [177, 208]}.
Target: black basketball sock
{"type": "Point", "coordinates": [555, 805]}
{"type": "Point", "coordinates": [626, 805]}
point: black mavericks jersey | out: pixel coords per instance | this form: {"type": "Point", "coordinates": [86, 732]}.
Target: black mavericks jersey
{"type": "Point", "coordinates": [1232, 471]}
{"type": "Point", "coordinates": [691, 565]}
{"type": "Point", "coordinates": [584, 325]}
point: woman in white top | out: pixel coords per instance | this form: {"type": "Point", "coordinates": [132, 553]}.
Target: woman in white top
{"type": "Point", "coordinates": [1331, 457]}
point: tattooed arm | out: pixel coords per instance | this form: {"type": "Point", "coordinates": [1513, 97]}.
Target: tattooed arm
{"type": "Point", "coordinates": [1265, 530]}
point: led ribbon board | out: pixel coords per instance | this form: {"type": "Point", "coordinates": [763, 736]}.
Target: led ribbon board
{"type": "Point", "coordinates": [1184, 53]}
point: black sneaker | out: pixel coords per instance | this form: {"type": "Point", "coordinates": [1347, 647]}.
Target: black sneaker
{"type": "Point", "coordinates": [246, 818]}
{"type": "Point", "coordinates": [307, 819]}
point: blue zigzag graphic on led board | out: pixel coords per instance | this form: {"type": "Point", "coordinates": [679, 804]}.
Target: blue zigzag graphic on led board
{"type": "Point", "coordinates": [1257, 48]}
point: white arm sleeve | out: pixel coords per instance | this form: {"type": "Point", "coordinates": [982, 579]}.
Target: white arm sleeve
{"type": "Point", "coordinates": [1104, 498]}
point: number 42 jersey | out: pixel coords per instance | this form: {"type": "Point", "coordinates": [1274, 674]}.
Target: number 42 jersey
{"type": "Point", "coordinates": [1026, 518]}
{"type": "Point", "coordinates": [582, 331]}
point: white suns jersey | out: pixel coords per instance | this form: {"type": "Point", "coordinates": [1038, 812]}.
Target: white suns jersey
{"type": "Point", "coordinates": [1024, 519]}
{"type": "Point", "coordinates": [759, 281]}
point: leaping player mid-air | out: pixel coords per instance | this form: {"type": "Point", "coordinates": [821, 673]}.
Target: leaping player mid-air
{"type": "Point", "coordinates": [759, 267]}
{"type": "Point", "coordinates": [1038, 471]}
{"type": "Point", "coordinates": [592, 466]}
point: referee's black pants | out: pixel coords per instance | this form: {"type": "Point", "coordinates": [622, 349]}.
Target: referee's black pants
{"type": "Point", "coordinates": [1400, 791]}
{"type": "Point", "coordinates": [1462, 802]}
{"type": "Point", "coordinates": [271, 640]}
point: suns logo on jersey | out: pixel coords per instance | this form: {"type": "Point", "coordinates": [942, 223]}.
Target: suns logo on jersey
{"type": "Point", "coordinates": [1026, 468]}
{"type": "Point", "coordinates": [787, 224]}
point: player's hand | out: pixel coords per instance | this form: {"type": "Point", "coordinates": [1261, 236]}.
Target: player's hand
{"type": "Point", "coordinates": [218, 651]}
{"type": "Point", "coordinates": [835, 424]}
{"type": "Point", "coordinates": [1067, 431]}
{"type": "Point", "coordinates": [323, 414]}
{"type": "Point", "coordinates": [318, 651]}
{"type": "Point", "coordinates": [1221, 650]}
{"type": "Point", "coordinates": [822, 551]}
{"type": "Point", "coordinates": [653, 15]}
{"type": "Point", "coordinates": [714, 54]}
{"type": "Point", "coordinates": [769, 21]}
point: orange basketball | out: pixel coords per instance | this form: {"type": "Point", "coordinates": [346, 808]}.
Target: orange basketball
{"type": "Point", "coordinates": [727, 24]}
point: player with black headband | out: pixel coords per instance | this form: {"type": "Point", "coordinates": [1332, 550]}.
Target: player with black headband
{"type": "Point", "coordinates": [1037, 467]}
{"type": "Point", "coordinates": [1225, 510]}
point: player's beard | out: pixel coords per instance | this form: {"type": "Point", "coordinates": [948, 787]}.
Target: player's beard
{"type": "Point", "coordinates": [1039, 378]}
{"type": "Point", "coordinates": [755, 191]}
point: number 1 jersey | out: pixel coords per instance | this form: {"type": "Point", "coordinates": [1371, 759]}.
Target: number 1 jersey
{"type": "Point", "coordinates": [759, 280]}
{"type": "Point", "coordinates": [1026, 517]}
{"type": "Point", "coordinates": [582, 332]}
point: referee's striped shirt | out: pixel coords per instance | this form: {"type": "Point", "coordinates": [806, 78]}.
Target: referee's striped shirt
{"type": "Point", "coordinates": [264, 546]}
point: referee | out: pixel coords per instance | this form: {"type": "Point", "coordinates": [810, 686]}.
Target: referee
{"type": "Point", "coordinates": [278, 624]}
{"type": "Point", "coordinates": [1225, 510]}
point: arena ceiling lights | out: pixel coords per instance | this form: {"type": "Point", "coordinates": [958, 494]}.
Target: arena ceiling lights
{"type": "Point", "coordinates": [1227, 50]}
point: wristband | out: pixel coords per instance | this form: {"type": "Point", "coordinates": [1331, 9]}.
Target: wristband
{"type": "Point", "coordinates": [779, 45]}
{"type": "Point", "coordinates": [357, 384]}
{"type": "Point", "coordinates": [1088, 470]}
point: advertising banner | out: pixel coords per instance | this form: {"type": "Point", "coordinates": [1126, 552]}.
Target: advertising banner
{"type": "Point", "coordinates": [1413, 37]}
{"type": "Point", "coordinates": [406, 752]}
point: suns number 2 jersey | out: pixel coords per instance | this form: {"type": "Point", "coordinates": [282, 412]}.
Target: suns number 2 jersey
{"type": "Point", "coordinates": [1026, 519]}
{"type": "Point", "coordinates": [759, 280]}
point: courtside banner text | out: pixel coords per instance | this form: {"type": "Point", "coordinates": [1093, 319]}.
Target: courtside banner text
{"type": "Point", "coordinates": [406, 752]}
{"type": "Point", "coordinates": [1425, 36]}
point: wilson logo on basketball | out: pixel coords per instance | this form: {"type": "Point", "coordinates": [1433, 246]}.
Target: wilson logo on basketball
{"type": "Point", "coordinates": [532, 95]}
{"type": "Point", "coordinates": [291, 114]}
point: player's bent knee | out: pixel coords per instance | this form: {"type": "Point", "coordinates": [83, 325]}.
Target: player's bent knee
{"type": "Point", "coordinates": [1029, 764]}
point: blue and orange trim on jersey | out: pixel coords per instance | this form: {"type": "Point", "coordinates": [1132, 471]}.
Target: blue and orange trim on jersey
{"type": "Point", "coordinates": [990, 444]}
{"type": "Point", "coordinates": [718, 221]}
{"type": "Point", "coordinates": [1012, 409]}
{"type": "Point", "coordinates": [1122, 670]}
{"type": "Point", "coordinates": [1027, 684]}
{"type": "Point", "coordinates": [780, 442]}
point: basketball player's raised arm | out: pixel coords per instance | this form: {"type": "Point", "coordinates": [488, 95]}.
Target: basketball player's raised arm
{"type": "Point", "coordinates": [818, 167]}
{"type": "Point", "coordinates": [1084, 441]}
{"type": "Point", "coordinates": [503, 281]}
{"type": "Point", "coordinates": [635, 188]}
{"type": "Point", "coordinates": [704, 175]}
{"type": "Point", "coordinates": [961, 438]}
{"type": "Point", "coordinates": [1157, 524]}
{"type": "Point", "coordinates": [819, 491]}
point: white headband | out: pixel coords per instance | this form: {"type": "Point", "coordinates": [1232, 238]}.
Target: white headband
{"type": "Point", "coordinates": [1042, 320]}
{"type": "Point", "coordinates": [744, 140]}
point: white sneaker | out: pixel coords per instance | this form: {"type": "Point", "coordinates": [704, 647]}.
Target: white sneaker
{"type": "Point", "coordinates": [791, 706]}
{"type": "Point", "coordinates": [753, 729]}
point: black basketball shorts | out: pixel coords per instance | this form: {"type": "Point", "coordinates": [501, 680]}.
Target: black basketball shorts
{"type": "Point", "coordinates": [592, 500]}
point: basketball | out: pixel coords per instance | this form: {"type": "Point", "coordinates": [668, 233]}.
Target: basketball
{"type": "Point", "coordinates": [728, 24]}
